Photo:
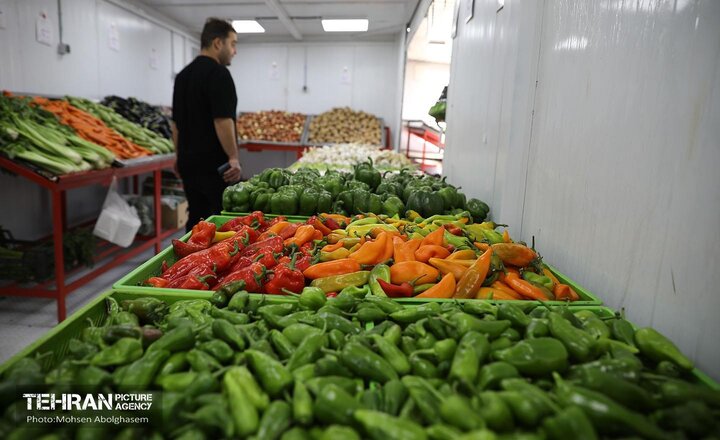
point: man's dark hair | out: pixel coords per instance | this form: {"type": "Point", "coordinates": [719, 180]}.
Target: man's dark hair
{"type": "Point", "coordinates": [214, 28]}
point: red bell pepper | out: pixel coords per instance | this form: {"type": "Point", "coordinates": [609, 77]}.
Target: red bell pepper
{"type": "Point", "coordinates": [285, 278]}
{"type": "Point", "coordinates": [221, 256]}
{"type": "Point", "coordinates": [255, 220]}
{"type": "Point", "coordinates": [275, 243]}
{"type": "Point", "coordinates": [241, 263]}
{"type": "Point", "coordinates": [253, 276]}
{"type": "Point", "coordinates": [303, 263]}
{"type": "Point", "coordinates": [202, 234]}
{"type": "Point", "coordinates": [266, 257]}
{"type": "Point", "coordinates": [183, 249]}
{"type": "Point", "coordinates": [197, 282]}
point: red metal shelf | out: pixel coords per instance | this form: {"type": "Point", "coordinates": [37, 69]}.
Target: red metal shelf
{"type": "Point", "coordinates": [58, 189]}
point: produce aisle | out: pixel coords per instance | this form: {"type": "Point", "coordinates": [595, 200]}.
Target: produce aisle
{"type": "Point", "coordinates": [394, 309]}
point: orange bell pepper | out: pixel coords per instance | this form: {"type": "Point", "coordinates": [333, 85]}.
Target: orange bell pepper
{"type": "Point", "coordinates": [444, 289]}
{"type": "Point", "coordinates": [303, 234]}
{"type": "Point", "coordinates": [487, 292]}
{"type": "Point", "coordinates": [472, 279]}
{"type": "Point", "coordinates": [332, 268]}
{"type": "Point", "coordinates": [428, 251]}
{"type": "Point", "coordinates": [416, 271]}
{"type": "Point", "coordinates": [447, 266]}
{"type": "Point", "coordinates": [466, 254]}
{"type": "Point", "coordinates": [436, 237]}
{"type": "Point", "coordinates": [405, 250]}
{"type": "Point", "coordinates": [514, 253]}
{"type": "Point", "coordinates": [563, 292]}
{"type": "Point", "coordinates": [524, 288]}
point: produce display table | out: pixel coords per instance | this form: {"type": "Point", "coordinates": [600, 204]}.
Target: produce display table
{"type": "Point", "coordinates": [58, 188]}
{"type": "Point", "coordinates": [428, 135]}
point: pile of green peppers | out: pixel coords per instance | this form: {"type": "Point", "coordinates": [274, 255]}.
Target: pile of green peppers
{"type": "Point", "coordinates": [361, 366]}
{"type": "Point", "coordinates": [306, 192]}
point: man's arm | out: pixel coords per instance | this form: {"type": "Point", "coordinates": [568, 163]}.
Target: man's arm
{"type": "Point", "coordinates": [175, 134]}
{"type": "Point", "coordinates": [225, 130]}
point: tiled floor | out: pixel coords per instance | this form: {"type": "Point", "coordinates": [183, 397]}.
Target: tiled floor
{"type": "Point", "coordinates": [24, 320]}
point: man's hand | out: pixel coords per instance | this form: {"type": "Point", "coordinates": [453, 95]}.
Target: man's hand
{"type": "Point", "coordinates": [234, 173]}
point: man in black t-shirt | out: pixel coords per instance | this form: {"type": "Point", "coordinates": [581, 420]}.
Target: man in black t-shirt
{"type": "Point", "coordinates": [204, 102]}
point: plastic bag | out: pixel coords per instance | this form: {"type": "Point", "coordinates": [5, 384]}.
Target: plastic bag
{"type": "Point", "coordinates": [118, 222]}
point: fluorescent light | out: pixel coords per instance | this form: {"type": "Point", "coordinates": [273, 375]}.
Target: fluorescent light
{"type": "Point", "coordinates": [346, 25]}
{"type": "Point", "coordinates": [247, 27]}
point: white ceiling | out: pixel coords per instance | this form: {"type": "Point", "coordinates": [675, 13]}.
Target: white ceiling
{"type": "Point", "coordinates": [386, 17]}
{"type": "Point", "coordinates": [432, 43]}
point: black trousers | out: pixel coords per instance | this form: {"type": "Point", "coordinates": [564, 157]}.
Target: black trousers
{"type": "Point", "coordinates": [204, 194]}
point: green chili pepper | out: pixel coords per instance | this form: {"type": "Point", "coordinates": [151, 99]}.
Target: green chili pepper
{"type": "Point", "coordinates": [470, 354]}
{"type": "Point", "coordinates": [140, 374]}
{"type": "Point", "coordinates": [351, 385]}
{"type": "Point", "coordinates": [275, 420]}
{"type": "Point", "coordinates": [91, 378]}
{"type": "Point", "coordinates": [296, 433]}
{"type": "Point", "coordinates": [367, 312]}
{"type": "Point", "coordinates": [226, 332]}
{"type": "Point", "coordinates": [302, 404]}
{"type": "Point", "coordinates": [465, 323]}
{"type": "Point", "coordinates": [330, 366]}
{"type": "Point", "coordinates": [603, 411]}
{"type": "Point", "coordinates": [379, 272]}
{"type": "Point", "coordinates": [381, 426]}
{"type": "Point", "coordinates": [442, 432]}
{"type": "Point", "coordinates": [213, 416]}
{"type": "Point", "coordinates": [425, 396]}
{"type": "Point", "coordinates": [336, 322]}
{"type": "Point", "coordinates": [659, 348]}
{"type": "Point", "coordinates": [204, 383]}
{"type": "Point", "coordinates": [535, 357]}
{"type": "Point", "coordinates": [312, 298]}
{"type": "Point", "coordinates": [541, 403]}
{"type": "Point", "coordinates": [491, 374]}
{"type": "Point", "coordinates": [334, 432]}
{"type": "Point", "coordinates": [238, 301]}
{"type": "Point", "coordinates": [407, 345]}
{"type": "Point", "coordinates": [283, 347]}
{"type": "Point", "coordinates": [334, 405]}
{"type": "Point", "coordinates": [667, 368]}
{"type": "Point", "coordinates": [393, 333]}
{"type": "Point", "coordinates": [336, 339]}
{"type": "Point", "coordinates": [176, 381]}
{"type": "Point", "coordinates": [149, 310]}
{"type": "Point", "coordinates": [307, 352]}
{"type": "Point", "coordinates": [176, 363]}
{"type": "Point", "coordinates": [178, 339]}
{"type": "Point", "coordinates": [593, 325]}
{"type": "Point", "coordinates": [244, 378]}
{"type": "Point", "coordinates": [202, 361]}
{"type": "Point", "coordinates": [571, 422]}
{"type": "Point", "coordinates": [694, 418]}
{"type": "Point", "coordinates": [579, 344]}
{"type": "Point", "coordinates": [413, 314]}
{"type": "Point", "coordinates": [385, 304]}
{"type": "Point", "coordinates": [371, 399]}
{"type": "Point", "coordinates": [622, 330]}
{"type": "Point", "coordinates": [394, 395]}
{"type": "Point", "coordinates": [537, 328]}
{"type": "Point", "coordinates": [339, 282]}
{"type": "Point", "coordinates": [480, 308]}
{"type": "Point", "coordinates": [496, 412]}
{"type": "Point", "coordinates": [621, 391]}
{"type": "Point", "coordinates": [393, 355]}
{"type": "Point", "coordinates": [456, 411]}
{"type": "Point", "coordinates": [422, 367]}
{"type": "Point", "coordinates": [296, 333]}
{"type": "Point", "coordinates": [232, 317]}
{"type": "Point", "coordinates": [622, 368]}
{"type": "Point", "coordinates": [511, 334]}
{"type": "Point", "coordinates": [218, 349]}
{"type": "Point", "coordinates": [514, 314]}
{"type": "Point", "coordinates": [244, 413]}
{"type": "Point", "coordinates": [304, 373]}
{"type": "Point", "coordinates": [272, 374]}
{"type": "Point", "coordinates": [677, 391]}
{"type": "Point", "coordinates": [364, 362]}
{"type": "Point", "coordinates": [124, 351]}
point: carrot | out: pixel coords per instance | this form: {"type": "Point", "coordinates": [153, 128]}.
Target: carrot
{"type": "Point", "coordinates": [444, 289]}
{"type": "Point", "coordinates": [331, 268]}
{"type": "Point", "coordinates": [428, 251]}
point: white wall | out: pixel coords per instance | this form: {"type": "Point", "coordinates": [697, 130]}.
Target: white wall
{"type": "Point", "coordinates": [91, 70]}
{"type": "Point", "coordinates": [610, 160]}
{"type": "Point", "coordinates": [370, 83]}
{"type": "Point", "coordinates": [423, 84]}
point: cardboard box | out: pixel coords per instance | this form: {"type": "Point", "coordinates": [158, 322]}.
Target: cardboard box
{"type": "Point", "coordinates": [174, 217]}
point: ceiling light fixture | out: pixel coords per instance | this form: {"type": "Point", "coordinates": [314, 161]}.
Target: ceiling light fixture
{"type": "Point", "coordinates": [247, 27]}
{"type": "Point", "coordinates": [345, 25]}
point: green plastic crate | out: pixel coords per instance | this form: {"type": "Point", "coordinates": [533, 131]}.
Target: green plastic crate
{"type": "Point", "coordinates": [133, 281]}
{"type": "Point", "coordinates": [291, 218]}
{"type": "Point", "coordinates": [95, 312]}
{"type": "Point", "coordinates": [587, 298]}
